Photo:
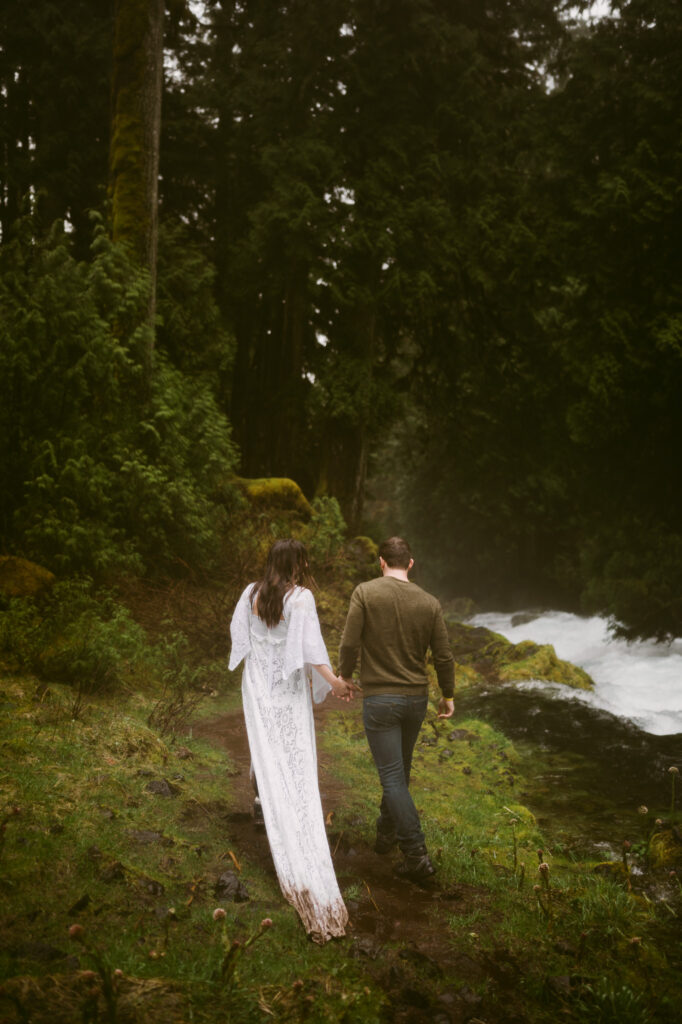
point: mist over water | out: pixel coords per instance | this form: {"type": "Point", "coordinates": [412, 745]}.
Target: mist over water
{"type": "Point", "coordinates": [640, 682]}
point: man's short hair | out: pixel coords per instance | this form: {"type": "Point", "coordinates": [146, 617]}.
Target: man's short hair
{"type": "Point", "coordinates": [396, 553]}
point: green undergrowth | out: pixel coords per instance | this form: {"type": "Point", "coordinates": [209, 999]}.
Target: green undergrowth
{"type": "Point", "coordinates": [559, 941]}
{"type": "Point", "coordinates": [85, 842]}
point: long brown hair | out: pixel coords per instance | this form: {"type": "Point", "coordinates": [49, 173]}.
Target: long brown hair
{"type": "Point", "coordinates": [287, 566]}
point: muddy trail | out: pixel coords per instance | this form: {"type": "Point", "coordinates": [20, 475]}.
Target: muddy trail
{"type": "Point", "coordinates": [397, 928]}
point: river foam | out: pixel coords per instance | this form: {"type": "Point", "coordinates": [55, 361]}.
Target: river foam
{"type": "Point", "coordinates": [639, 681]}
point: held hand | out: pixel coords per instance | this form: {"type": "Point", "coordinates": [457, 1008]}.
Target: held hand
{"type": "Point", "coordinates": [446, 707]}
{"type": "Point", "coordinates": [345, 689]}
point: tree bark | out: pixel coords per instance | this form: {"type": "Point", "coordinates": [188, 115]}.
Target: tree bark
{"type": "Point", "coordinates": [137, 86]}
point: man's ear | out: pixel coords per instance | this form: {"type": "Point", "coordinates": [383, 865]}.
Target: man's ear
{"type": "Point", "coordinates": [411, 564]}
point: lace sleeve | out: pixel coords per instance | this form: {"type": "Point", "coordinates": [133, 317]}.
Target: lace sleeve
{"type": "Point", "coordinates": [239, 629]}
{"type": "Point", "coordinates": [305, 646]}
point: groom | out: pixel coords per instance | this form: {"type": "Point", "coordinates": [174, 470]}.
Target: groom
{"type": "Point", "coordinates": [391, 624]}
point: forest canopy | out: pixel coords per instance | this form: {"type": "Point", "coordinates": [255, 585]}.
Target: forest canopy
{"type": "Point", "coordinates": [418, 256]}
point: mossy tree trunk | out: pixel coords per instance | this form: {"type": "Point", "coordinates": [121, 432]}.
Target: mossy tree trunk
{"type": "Point", "coordinates": [137, 86]}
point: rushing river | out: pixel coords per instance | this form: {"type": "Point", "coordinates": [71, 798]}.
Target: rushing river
{"type": "Point", "coordinates": [641, 682]}
{"type": "Point", "coordinates": [594, 757]}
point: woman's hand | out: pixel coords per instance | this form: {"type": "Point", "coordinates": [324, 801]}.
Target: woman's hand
{"type": "Point", "coordinates": [344, 689]}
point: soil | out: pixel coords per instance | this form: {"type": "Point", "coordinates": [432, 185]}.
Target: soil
{"type": "Point", "coordinates": [397, 928]}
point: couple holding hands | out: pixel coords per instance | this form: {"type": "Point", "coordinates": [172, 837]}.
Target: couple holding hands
{"type": "Point", "coordinates": [391, 625]}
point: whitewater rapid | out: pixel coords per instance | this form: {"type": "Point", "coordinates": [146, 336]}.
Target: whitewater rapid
{"type": "Point", "coordinates": [640, 681]}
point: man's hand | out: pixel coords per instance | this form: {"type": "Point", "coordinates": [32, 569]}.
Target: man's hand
{"type": "Point", "coordinates": [346, 689]}
{"type": "Point", "coordinates": [446, 707]}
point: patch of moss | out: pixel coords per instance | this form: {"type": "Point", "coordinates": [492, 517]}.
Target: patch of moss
{"type": "Point", "coordinates": [665, 848]}
{"type": "Point", "coordinates": [21, 578]}
{"type": "Point", "coordinates": [484, 656]}
{"type": "Point", "coordinates": [279, 493]}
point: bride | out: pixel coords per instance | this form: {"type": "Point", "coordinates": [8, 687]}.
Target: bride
{"type": "Point", "coordinates": [276, 630]}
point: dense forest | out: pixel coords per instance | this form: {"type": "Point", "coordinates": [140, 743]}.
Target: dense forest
{"type": "Point", "coordinates": [420, 256]}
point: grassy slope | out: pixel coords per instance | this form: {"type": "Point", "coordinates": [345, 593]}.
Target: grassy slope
{"type": "Point", "coordinates": [587, 950]}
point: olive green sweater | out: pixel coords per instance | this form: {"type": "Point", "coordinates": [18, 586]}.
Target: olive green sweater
{"type": "Point", "coordinates": [391, 624]}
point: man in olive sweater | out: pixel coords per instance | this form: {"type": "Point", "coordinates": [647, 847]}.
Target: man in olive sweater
{"type": "Point", "coordinates": [391, 624]}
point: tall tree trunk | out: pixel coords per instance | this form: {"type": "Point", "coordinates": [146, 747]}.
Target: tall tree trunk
{"type": "Point", "coordinates": [137, 86]}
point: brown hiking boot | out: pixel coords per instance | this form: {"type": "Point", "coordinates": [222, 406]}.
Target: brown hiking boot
{"type": "Point", "coordinates": [417, 867]}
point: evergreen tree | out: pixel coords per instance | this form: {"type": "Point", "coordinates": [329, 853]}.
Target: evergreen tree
{"type": "Point", "coordinates": [55, 64]}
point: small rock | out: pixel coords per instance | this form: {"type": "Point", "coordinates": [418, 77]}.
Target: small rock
{"type": "Point", "coordinates": [184, 754]}
{"type": "Point", "coordinates": [446, 752]}
{"type": "Point", "coordinates": [228, 887]}
{"type": "Point", "coordinates": [560, 984]}
{"type": "Point", "coordinates": [447, 998]}
{"type": "Point", "coordinates": [79, 905]}
{"type": "Point", "coordinates": [470, 997]}
{"type": "Point", "coordinates": [463, 734]}
{"type": "Point", "coordinates": [152, 886]}
{"type": "Point", "coordinates": [466, 770]}
{"type": "Point", "coordinates": [523, 618]}
{"type": "Point", "coordinates": [368, 946]}
{"type": "Point", "coordinates": [162, 787]}
{"type": "Point", "coordinates": [113, 872]}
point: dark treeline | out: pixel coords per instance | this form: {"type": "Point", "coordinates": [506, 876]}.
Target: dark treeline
{"type": "Point", "coordinates": [420, 255]}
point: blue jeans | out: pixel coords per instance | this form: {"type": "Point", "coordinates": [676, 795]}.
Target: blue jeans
{"type": "Point", "coordinates": [392, 723]}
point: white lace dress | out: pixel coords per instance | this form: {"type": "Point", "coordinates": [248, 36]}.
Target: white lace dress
{"type": "Point", "coordinates": [281, 730]}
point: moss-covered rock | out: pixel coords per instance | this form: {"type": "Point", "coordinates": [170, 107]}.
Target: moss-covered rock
{"type": "Point", "coordinates": [665, 848]}
{"type": "Point", "coordinates": [522, 814]}
{"type": "Point", "coordinates": [614, 870]}
{"type": "Point", "coordinates": [276, 494]}
{"type": "Point", "coordinates": [363, 556]}
{"type": "Point", "coordinates": [21, 578]}
{"type": "Point", "coordinates": [484, 656]}
{"type": "Point", "coordinates": [539, 661]}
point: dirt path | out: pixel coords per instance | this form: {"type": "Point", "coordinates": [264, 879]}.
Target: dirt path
{"type": "Point", "coordinates": [399, 928]}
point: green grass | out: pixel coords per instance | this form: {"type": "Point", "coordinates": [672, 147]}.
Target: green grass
{"type": "Point", "coordinates": [587, 927]}
{"type": "Point", "coordinates": [70, 856]}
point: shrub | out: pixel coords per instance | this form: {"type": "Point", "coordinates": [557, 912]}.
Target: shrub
{"type": "Point", "coordinates": [324, 534]}
{"type": "Point", "coordinates": [100, 468]}
{"type": "Point", "coordinates": [73, 636]}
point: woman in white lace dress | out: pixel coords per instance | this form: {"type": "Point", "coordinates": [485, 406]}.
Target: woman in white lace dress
{"type": "Point", "coordinates": [276, 630]}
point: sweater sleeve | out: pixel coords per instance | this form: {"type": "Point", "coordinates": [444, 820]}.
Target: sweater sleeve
{"type": "Point", "coordinates": [443, 661]}
{"type": "Point", "coordinates": [352, 635]}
